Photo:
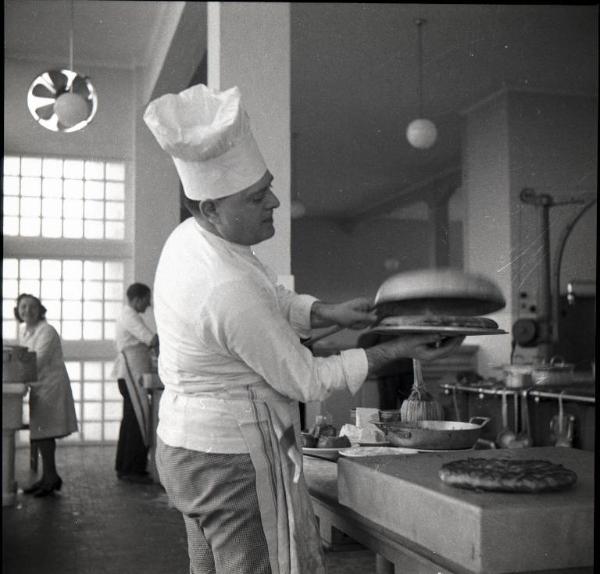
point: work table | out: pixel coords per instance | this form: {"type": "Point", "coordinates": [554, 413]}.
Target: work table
{"type": "Point", "coordinates": [445, 529]}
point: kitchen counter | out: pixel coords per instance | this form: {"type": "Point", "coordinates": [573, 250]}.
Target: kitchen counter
{"type": "Point", "coordinates": [477, 532]}
{"type": "Point", "coordinates": [12, 420]}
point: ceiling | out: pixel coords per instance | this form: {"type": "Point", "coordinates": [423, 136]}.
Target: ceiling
{"type": "Point", "coordinates": [354, 77]}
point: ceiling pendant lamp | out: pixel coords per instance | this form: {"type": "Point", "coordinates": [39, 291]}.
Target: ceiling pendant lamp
{"type": "Point", "coordinates": [62, 100]}
{"type": "Point", "coordinates": [421, 132]}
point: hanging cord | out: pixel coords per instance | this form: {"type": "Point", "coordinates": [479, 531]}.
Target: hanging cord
{"type": "Point", "coordinates": [419, 22]}
{"type": "Point", "coordinates": [71, 37]}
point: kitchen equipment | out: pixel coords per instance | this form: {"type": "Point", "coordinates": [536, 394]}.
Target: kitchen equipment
{"type": "Point", "coordinates": [19, 365]}
{"type": "Point", "coordinates": [439, 292]}
{"type": "Point", "coordinates": [518, 376]}
{"type": "Point", "coordinates": [523, 438]}
{"type": "Point", "coordinates": [506, 436]}
{"type": "Point", "coordinates": [555, 373]}
{"type": "Point", "coordinates": [434, 435]}
{"type": "Point", "coordinates": [562, 425]}
{"type": "Point", "coordinates": [420, 404]}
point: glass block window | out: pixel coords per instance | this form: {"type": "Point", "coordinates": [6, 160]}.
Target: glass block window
{"type": "Point", "coordinates": [83, 296]}
{"type": "Point", "coordinates": [98, 403]}
{"type": "Point", "coordinates": [63, 198]}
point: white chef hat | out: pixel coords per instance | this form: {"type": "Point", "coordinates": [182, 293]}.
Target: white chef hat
{"type": "Point", "coordinates": [208, 135]}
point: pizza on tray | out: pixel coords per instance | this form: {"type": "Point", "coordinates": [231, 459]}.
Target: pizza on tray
{"type": "Point", "coordinates": [507, 475]}
{"type": "Point", "coordinates": [460, 322]}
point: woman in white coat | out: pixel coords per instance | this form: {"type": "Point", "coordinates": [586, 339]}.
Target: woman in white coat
{"type": "Point", "coordinates": [51, 407]}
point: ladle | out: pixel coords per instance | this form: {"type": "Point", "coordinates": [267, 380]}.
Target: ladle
{"type": "Point", "coordinates": [562, 425]}
{"type": "Point", "coordinates": [506, 435]}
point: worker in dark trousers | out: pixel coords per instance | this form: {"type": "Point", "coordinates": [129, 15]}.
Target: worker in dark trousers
{"type": "Point", "coordinates": [135, 342]}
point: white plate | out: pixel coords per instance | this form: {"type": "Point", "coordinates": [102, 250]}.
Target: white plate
{"type": "Point", "coordinates": [433, 329]}
{"type": "Point", "coordinates": [382, 443]}
{"type": "Point", "coordinates": [328, 453]}
{"type": "Point", "coordinates": [360, 451]}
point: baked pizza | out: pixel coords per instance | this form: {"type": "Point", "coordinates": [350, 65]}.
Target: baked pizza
{"type": "Point", "coordinates": [456, 321]}
{"type": "Point", "coordinates": [507, 475]}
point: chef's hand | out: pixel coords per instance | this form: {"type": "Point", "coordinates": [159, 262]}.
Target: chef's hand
{"type": "Point", "coordinates": [354, 314]}
{"type": "Point", "coordinates": [426, 347]}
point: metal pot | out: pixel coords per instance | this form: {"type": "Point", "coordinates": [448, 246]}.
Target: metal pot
{"type": "Point", "coordinates": [553, 373]}
{"type": "Point", "coordinates": [518, 376]}
{"type": "Point", "coordinates": [434, 435]}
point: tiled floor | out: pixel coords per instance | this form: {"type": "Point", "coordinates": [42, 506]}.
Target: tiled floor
{"type": "Point", "coordinates": [99, 525]}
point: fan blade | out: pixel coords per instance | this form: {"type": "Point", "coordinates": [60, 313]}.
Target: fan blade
{"type": "Point", "coordinates": [80, 87]}
{"type": "Point", "coordinates": [45, 112]}
{"type": "Point", "coordinates": [59, 80]}
{"type": "Point", "coordinates": [42, 91]}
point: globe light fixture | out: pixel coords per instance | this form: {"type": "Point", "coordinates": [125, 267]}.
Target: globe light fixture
{"type": "Point", "coordinates": [62, 100]}
{"type": "Point", "coordinates": [421, 133]}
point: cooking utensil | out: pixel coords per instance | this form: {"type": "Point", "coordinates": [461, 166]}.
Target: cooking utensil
{"type": "Point", "coordinates": [523, 438]}
{"type": "Point", "coordinates": [434, 435]}
{"type": "Point", "coordinates": [518, 376]}
{"type": "Point", "coordinates": [562, 426]}
{"type": "Point", "coordinates": [506, 435]}
{"type": "Point", "coordinates": [439, 292]}
{"type": "Point", "coordinates": [327, 333]}
{"type": "Point", "coordinates": [557, 372]}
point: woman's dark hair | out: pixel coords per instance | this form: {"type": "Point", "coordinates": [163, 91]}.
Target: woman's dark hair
{"type": "Point", "coordinates": [22, 296]}
{"type": "Point", "coordinates": [137, 291]}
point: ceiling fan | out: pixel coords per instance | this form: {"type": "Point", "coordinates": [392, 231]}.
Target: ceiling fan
{"type": "Point", "coordinates": [62, 100]}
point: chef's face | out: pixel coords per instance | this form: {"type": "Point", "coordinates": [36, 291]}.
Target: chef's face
{"type": "Point", "coordinates": [29, 310]}
{"type": "Point", "coordinates": [246, 217]}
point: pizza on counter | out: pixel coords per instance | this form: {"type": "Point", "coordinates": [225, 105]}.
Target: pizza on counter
{"type": "Point", "coordinates": [507, 475]}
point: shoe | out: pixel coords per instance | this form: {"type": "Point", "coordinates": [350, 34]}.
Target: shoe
{"type": "Point", "coordinates": [46, 490]}
{"type": "Point", "coordinates": [33, 488]}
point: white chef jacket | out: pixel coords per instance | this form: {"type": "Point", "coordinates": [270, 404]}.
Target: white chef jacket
{"type": "Point", "coordinates": [224, 323]}
{"type": "Point", "coordinates": [130, 330]}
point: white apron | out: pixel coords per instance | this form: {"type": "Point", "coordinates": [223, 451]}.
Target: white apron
{"type": "Point", "coordinates": [270, 425]}
{"type": "Point", "coordinates": [137, 361]}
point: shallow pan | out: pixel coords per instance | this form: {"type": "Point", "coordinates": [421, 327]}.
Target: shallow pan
{"type": "Point", "coordinates": [434, 435]}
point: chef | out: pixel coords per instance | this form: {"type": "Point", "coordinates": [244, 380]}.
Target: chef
{"type": "Point", "coordinates": [231, 359]}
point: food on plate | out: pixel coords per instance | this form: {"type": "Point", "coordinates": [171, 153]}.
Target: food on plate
{"type": "Point", "coordinates": [507, 475]}
{"type": "Point", "coordinates": [333, 442]}
{"type": "Point", "coordinates": [456, 321]}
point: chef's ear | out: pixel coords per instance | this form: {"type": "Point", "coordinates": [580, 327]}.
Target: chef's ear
{"type": "Point", "coordinates": [208, 209]}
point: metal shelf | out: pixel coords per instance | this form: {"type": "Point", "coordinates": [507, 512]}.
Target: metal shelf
{"type": "Point", "coordinates": [530, 392]}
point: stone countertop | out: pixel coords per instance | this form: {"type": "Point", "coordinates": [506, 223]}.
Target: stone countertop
{"type": "Point", "coordinates": [481, 532]}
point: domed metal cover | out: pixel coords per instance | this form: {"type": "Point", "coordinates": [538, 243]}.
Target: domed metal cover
{"type": "Point", "coordinates": [438, 292]}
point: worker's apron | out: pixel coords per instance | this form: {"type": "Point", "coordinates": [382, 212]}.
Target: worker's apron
{"type": "Point", "coordinates": [270, 425]}
{"type": "Point", "coordinates": [137, 362]}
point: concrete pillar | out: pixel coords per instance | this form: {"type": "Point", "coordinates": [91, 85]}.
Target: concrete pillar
{"type": "Point", "coordinates": [249, 47]}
